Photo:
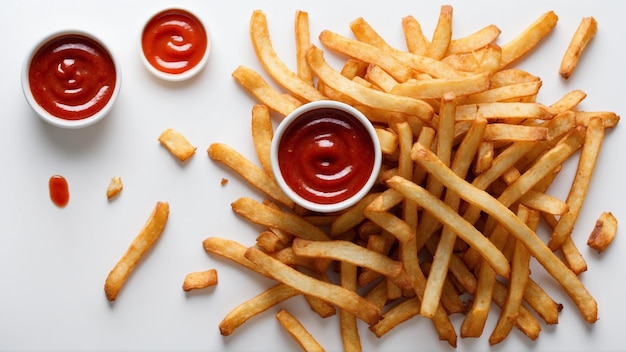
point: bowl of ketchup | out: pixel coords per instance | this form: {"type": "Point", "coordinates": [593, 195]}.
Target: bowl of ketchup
{"type": "Point", "coordinates": [325, 156]}
{"type": "Point", "coordinates": [174, 44]}
{"type": "Point", "coordinates": [71, 79]}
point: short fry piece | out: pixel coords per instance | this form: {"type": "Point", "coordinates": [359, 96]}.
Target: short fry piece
{"type": "Point", "coordinates": [115, 187]}
{"type": "Point", "coordinates": [177, 144]}
{"type": "Point", "coordinates": [604, 232]}
{"type": "Point", "coordinates": [584, 33]}
{"type": "Point", "coordinates": [141, 244]}
{"type": "Point", "coordinates": [200, 279]}
{"type": "Point", "coordinates": [293, 326]}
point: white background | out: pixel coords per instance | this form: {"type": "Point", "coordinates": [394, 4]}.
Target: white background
{"type": "Point", "coordinates": [53, 262]}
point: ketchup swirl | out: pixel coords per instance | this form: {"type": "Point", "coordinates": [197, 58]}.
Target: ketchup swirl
{"type": "Point", "coordinates": [327, 156]}
{"type": "Point", "coordinates": [174, 41]}
{"type": "Point", "coordinates": [72, 77]}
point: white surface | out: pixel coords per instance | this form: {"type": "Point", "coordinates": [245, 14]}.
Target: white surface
{"type": "Point", "coordinates": [53, 262]}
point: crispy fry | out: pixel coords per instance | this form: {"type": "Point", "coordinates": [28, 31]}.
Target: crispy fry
{"type": "Point", "coordinates": [262, 134]}
{"type": "Point", "coordinates": [260, 89]}
{"type": "Point", "coordinates": [586, 165]}
{"type": "Point", "coordinates": [584, 33]}
{"type": "Point", "coordinates": [259, 304]}
{"type": "Point", "coordinates": [416, 42]}
{"type": "Point", "coordinates": [177, 144]}
{"type": "Point", "coordinates": [146, 238]}
{"type": "Point", "coordinates": [367, 53]}
{"type": "Point", "coordinates": [303, 43]}
{"type": "Point", "coordinates": [249, 171]}
{"type": "Point", "coordinates": [442, 34]}
{"type": "Point", "coordinates": [603, 233]}
{"type": "Point", "coordinates": [436, 88]}
{"type": "Point", "coordinates": [200, 279]}
{"type": "Point", "coordinates": [474, 41]}
{"type": "Point", "coordinates": [299, 333]}
{"type": "Point", "coordinates": [528, 39]}
{"type": "Point", "coordinates": [265, 215]}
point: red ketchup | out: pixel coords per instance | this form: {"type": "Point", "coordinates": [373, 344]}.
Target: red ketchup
{"type": "Point", "coordinates": [174, 41]}
{"type": "Point", "coordinates": [72, 77]}
{"type": "Point", "coordinates": [326, 156]}
{"type": "Point", "coordinates": [59, 190]}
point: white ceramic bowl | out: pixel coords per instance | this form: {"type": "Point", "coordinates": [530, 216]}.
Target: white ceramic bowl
{"type": "Point", "coordinates": [57, 120]}
{"type": "Point", "coordinates": [187, 74]}
{"type": "Point", "coordinates": [371, 174]}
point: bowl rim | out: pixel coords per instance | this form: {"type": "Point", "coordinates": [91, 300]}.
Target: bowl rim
{"type": "Point", "coordinates": [292, 118]}
{"type": "Point", "coordinates": [183, 76]}
{"type": "Point", "coordinates": [53, 119]}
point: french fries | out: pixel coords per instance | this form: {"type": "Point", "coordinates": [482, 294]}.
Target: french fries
{"type": "Point", "coordinates": [200, 279]}
{"type": "Point", "coordinates": [146, 238]}
{"type": "Point", "coordinates": [469, 154]}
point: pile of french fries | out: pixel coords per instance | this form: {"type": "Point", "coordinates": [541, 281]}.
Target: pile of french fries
{"type": "Point", "coordinates": [451, 226]}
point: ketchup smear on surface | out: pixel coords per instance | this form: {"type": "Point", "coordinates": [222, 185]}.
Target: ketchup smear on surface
{"type": "Point", "coordinates": [59, 190]}
{"type": "Point", "coordinates": [72, 77]}
{"type": "Point", "coordinates": [174, 41]}
{"type": "Point", "coordinates": [326, 156]}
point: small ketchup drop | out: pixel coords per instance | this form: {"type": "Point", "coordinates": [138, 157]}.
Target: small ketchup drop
{"type": "Point", "coordinates": [59, 191]}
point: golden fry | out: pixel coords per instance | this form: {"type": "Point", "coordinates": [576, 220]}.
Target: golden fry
{"type": "Point", "coordinates": [584, 33]}
{"type": "Point", "coordinates": [146, 238]}
{"type": "Point", "coordinates": [177, 144]}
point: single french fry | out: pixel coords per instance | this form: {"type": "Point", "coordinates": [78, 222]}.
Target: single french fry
{"type": "Point", "coordinates": [603, 233]}
{"type": "Point", "coordinates": [200, 279]}
{"type": "Point", "coordinates": [474, 41]}
{"type": "Point", "coordinates": [265, 215]}
{"type": "Point", "coordinates": [262, 134]}
{"type": "Point", "coordinates": [303, 43]}
{"type": "Point", "coordinates": [348, 324]}
{"type": "Point", "coordinates": [255, 306]}
{"type": "Point", "coordinates": [594, 137]}
{"type": "Point", "coordinates": [437, 88]}
{"type": "Point", "coordinates": [352, 253]}
{"type": "Point", "coordinates": [442, 35]}
{"type": "Point", "coordinates": [584, 33]}
{"type": "Point", "coordinates": [261, 90]}
{"type": "Point", "coordinates": [528, 39]}
{"type": "Point", "coordinates": [177, 144]}
{"type": "Point", "coordinates": [299, 333]}
{"type": "Point", "coordinates": [145, 239]}
{"type": "Point", "coordinates": [255, 175]}
{"type": "Point", "coordinates": [415, 40]}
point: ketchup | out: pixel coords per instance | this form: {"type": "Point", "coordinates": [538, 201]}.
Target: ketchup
{"type": "Point", "coordinates": [72, 77]}
{"type": "Point", "coordinates": [59, 191]}
{"type": "Point", "coordinates": [174, 41]}
{"type": "Point", "coordinates": [326, 156]}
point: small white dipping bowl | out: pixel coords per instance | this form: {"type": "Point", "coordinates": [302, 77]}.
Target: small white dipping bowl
{"type": "Point", "coordinates": [57, 120]}
{"type": "Point", "coordinates": [295, 117]}
{"type": "Point", "coordinates": [188, 73]}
